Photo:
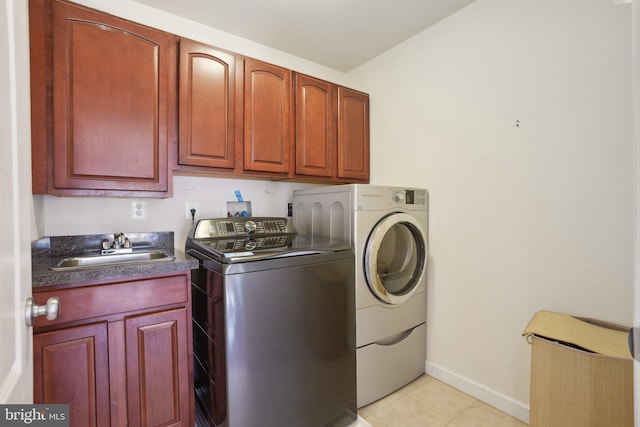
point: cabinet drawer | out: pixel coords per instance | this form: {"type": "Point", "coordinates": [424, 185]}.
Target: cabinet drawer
{"type": "Point", "coordinates": [113, 298]}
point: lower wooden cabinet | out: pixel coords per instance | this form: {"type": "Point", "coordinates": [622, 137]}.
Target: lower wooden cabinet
{"type": "Point", "coordinates": [115, 367]}
{"type": "Point", "coordinates": [157, 374]}
{"type": "Point", "coordinates": [71, 366]}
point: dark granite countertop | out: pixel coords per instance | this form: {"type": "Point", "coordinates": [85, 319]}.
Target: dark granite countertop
{"type": "Point", "coordinates": [48, 251]}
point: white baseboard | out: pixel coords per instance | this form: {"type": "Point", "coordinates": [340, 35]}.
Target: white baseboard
{"type": "Point", "coordinates": [491, 397]}
{"type": "Point", "coordinates": [360, 422]}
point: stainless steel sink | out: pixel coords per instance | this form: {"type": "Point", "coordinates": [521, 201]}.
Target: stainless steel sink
{"type": "Point", "coordinates": [78, 262]}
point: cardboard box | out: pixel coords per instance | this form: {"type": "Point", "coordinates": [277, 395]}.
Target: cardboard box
{"type": "Point", "coordinates": [581, 372]}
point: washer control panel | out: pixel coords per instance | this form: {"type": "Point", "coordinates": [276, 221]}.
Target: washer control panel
{"type": "Point", "coordinates": [233, 245]}
{"type": "Point", "coordinates": [228, 227]}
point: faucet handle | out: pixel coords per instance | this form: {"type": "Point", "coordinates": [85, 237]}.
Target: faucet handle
{"type": "Point", "coordinates": [120, 244]}
{"type": "Point", "coordinates": [119, 240]}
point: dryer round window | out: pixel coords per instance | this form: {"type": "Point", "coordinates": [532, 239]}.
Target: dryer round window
{"type": "Point", "coordinates": [395, 258]}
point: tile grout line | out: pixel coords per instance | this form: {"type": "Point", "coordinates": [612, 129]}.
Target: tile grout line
{"type": "Point", "coordinates": [474, 403]}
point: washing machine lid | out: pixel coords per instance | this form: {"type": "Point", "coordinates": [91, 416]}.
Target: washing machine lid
{"type": "Point", "coordinates": [395, 258]}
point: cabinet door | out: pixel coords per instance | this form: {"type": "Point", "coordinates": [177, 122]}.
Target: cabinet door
{"type": "Point", "coordinates": [207, 106]}
{"type": "Point", "coordinates": [157, 359]}
{"type": "Point", "coordinates": [71, 366]}
{"type": "Point", "coordinates": [353, 134]}
{"type": "Point", "coordinates": [113, 82]}
{"type": "Point", "coordinates": [267, 110]}
{"type": "Point", "coordinates": [315, 146]}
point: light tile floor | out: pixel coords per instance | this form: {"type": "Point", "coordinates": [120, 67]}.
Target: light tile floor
{"type": "Point", "coordinates": [428, 402]}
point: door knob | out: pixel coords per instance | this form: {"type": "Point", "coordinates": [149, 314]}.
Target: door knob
{"type": "Point", "coordinates": [50, 309]}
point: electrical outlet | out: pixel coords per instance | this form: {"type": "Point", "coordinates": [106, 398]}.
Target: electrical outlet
{"type": "Point", "coordinates": [138, 209]}
{"type": "Point", "coordinates": [192, 205]}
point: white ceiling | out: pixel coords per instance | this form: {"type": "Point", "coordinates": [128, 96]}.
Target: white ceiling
{"type": "Point", "coordinates": [340, 34]}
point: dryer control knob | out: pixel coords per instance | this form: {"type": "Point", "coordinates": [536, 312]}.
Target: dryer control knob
{"type": "Point", "coordinates": [250, 226]}
{"type": "Point", "coordinates": [398, 196]}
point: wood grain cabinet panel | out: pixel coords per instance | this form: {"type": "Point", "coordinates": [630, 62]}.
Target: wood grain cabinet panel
{"type": "Point", "coordinates": [113, 106]}
{"type": "Point", "coordinates": [353, 134]}
{"type": "Point", "coordinates": [207, 108]}
{"type": "Point", "coordinates": [332, 131]}
{"type": "Point", "coordinates": [117, 362]}
{"type": "Point", "coordinates": [315, 145]}
{"type": "Point", "coordinates": [158, 370]}
{"type": "Point", "coordinates": [267, 117]}
{"type": "Point", "coordinates": [71, 366]}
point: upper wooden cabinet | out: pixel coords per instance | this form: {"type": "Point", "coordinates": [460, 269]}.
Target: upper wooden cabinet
{"type": "Point", "coordinates": [353, 134]}
{"type": "Point", "coordinates": [315, 147]}
{"type": "Point", "coordinates": [267, 117]}
{"type": "Point", "coordinates": [106, 128]}
{"type": "Point", "coordinates": [207, 107]}
{"type": "Point", "coordinates": [116, 108]}
{"type": "Point", "coordinates": [332, 131]}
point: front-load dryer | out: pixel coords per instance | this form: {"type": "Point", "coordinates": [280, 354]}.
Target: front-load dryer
{"type": "Point", "coordinates": [387, 227]}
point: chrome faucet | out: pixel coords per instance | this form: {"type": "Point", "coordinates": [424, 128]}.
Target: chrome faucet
{"type": "Point", "coordinates": [120, 245]}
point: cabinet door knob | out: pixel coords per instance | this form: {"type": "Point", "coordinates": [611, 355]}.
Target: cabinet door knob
{"type": "Point", "coordinates": [50, 309]}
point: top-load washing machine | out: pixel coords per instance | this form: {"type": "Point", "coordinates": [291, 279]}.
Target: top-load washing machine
{"type": "Point", "coordinates": [387, 227]}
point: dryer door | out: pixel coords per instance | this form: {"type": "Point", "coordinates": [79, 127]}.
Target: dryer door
{"type": "Point", "coordinates": [395, 258]}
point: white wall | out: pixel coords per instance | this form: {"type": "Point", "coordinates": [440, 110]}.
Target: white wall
{"type": "Point", "coordinates": [65, 216]}
{"type": "Point", "coordinates": [517, 118]}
